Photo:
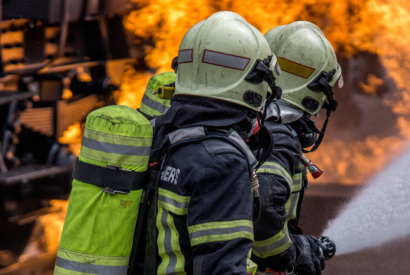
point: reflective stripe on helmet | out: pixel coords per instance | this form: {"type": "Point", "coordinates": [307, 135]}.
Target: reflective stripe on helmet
{"type": "Point", "coordinates": [185, 56]}
{"type": "Point", "coordinates": [274, 245]}
{"type": "Point", "coordinates": [295, 68]}
{"type": "Point", "coordinates": [173, 261]}
{"type": "Point", "coordinates": [225, 60]}
{"type": "Point", "coordinates": [220, 231]}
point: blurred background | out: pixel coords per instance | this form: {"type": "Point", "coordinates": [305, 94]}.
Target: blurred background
{"type": "Point", "coordinates": [61, 59]}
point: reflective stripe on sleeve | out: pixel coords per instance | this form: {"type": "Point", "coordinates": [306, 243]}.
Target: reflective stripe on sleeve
{"type": "Point", "coordinates": [277, 169]}
{"type": "Point", "coordinates": [173, 261]}
{"type": "Point", "coordinates": [172, 202]}
{"type": "Point", "coordinates": [220, 231]}
{"type": "Point", "coordinates": [274, 245]}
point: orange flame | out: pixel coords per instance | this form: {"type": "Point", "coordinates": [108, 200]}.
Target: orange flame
{"type": "Point", "coordinates": [375, 26]}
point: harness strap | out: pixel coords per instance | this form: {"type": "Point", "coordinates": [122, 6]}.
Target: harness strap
{"type": "Point", "coordinates": [198, 133]}
{"type": "Point", "coordinates": [112, 177]}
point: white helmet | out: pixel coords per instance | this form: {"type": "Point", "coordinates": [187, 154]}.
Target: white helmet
{"type": "Point", "coordinates": [226, 58]}
{"type": "Point", "coordinates": [309, 65]}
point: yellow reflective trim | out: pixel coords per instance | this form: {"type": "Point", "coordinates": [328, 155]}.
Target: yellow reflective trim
{"type": "Point", "coordinates": [172, 195]}
{"type": "Point", "coordinates": [62, 271]}
{"type": "Point", "coordinates": [297, 182]}
{"type": "Point", "coordinates": [114, 158]}
{"type": "Point", "coordinates": [172, 208]}
{"type": "Point", "coordinates": [118, 139]}
{"type": "Point", "coordinates": [220, 231]}
{"type": "Point", "coordinates": [173, 202]}
{"type": "Point", "coordinates": [295, 68]}
{"type": "Point", "coordinates": [291, 206]}
{"type": "Point", "coordinates": [222, 237]}
{"type": "Point", "coordinates": [173, 261]}
{"type": "Point", "coordinates": [277, 169]}
{"type": "Point", "coordinates": [161, 244]}
{"type": "Point", "coordinates": [274, 245]}
{"type": "Point", "coordinates": [176, 248]}
{"type": "Point", "coordinates": [95, 259]}
{"type": "Point", "coordinates": [222, 224]}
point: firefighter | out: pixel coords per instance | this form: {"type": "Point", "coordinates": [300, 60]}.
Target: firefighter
{"type": "Point", "coordinates": [203, 219]}
{"type": "Point", "coordinates": [309, 71]}
{"type": "Point", "coordinates": [151, 105]}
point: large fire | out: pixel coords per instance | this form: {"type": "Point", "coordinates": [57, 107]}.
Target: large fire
{"type": "Point", "coordinates": [379, 27]}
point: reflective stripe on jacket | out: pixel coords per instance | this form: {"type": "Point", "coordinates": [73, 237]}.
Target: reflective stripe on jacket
{"type": "Point", "coordinates": [204, 217]}
{"type": "Point", "coordinates": [280, 181]}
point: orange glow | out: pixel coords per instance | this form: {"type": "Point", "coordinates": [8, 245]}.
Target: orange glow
{"type": "Point", "coordinates": [376, 26]}
{"type": "Point", "coordinates": [52, 225]}
{"type": "Point", "coordinates": [73, 136]}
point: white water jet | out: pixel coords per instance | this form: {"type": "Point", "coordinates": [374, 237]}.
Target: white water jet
{"type": "Point", "coordinates": [379, 213]}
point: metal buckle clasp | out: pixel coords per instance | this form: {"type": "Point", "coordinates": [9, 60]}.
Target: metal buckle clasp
{"type": "Point", "coordinates": [117, 167]}
{"type": "Point", "coordinates": [112, 191]}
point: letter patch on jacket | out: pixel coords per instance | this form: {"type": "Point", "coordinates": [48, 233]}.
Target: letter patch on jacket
{"type": "Point", "coordinates": [170, 174]}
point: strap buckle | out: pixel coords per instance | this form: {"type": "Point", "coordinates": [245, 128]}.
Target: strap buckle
{"type": "Point", "coordinates": [118, 167]}
{"type": "Point", "coordinates": [112, 191]}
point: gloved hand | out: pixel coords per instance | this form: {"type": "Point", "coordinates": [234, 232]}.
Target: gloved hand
{"type": "Point", "coordinates": [309, 259]}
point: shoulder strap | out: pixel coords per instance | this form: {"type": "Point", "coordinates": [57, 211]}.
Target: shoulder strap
{"type": "Point", "coordinates": [182, 136]}
{"type": "Point", "coordinates": [112, 177]}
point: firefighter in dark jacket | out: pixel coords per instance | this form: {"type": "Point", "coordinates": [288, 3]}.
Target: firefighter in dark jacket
{"type": "Point", "coordinates": [204, 214]}
{"type": "Point", "coordinates": [310, 70]}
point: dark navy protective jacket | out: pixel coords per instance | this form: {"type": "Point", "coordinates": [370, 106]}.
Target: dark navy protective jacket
{"type": "Point", "coordinates": [281, 187]}
{"type": "Point", "coordinates": [204, 218]}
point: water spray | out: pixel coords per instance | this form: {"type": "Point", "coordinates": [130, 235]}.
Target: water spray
{"type": "Point", "coordinates": [378, 214]}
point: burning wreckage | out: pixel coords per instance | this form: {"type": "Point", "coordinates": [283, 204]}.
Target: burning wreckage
{"type": "Point", "coordinates": [58, 63]}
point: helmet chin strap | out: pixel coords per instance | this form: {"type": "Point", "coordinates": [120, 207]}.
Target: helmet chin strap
{"type": "Point", "coordinates": [322, 84]}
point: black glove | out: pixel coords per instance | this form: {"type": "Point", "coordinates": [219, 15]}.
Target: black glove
{"type": "Point", "coordinates": [309, 259]}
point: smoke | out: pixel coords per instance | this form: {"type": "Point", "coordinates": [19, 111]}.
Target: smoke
{"type": "Point", "coordinates": [378, 214]}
